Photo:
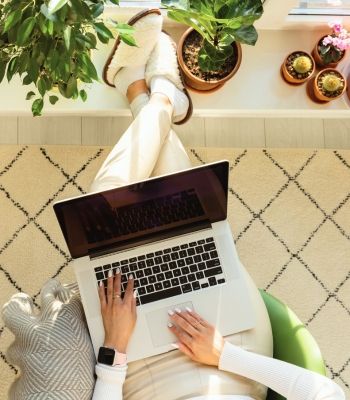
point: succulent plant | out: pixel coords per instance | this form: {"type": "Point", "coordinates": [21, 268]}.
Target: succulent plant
{"type": "Point", "coordinates": [302, 64]}
{"type": "Point", "coordinates": [331, 83]}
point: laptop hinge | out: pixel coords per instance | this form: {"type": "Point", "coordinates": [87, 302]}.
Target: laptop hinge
{"type": "Point", "coordinates": [152, 238]}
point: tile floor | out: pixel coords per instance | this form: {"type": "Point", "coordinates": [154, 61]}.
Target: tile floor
{"type": "Point", "coordinates": [211, 132]}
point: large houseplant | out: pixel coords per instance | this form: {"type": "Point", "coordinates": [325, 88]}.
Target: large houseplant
{"type": "Point", "coordinates": [209, 53]}
{"type": "Point", "coordinates": [49, 43]}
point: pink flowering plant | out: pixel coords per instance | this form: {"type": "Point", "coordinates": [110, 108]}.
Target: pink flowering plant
{"type": "Point", "coordinates": [333, 46]}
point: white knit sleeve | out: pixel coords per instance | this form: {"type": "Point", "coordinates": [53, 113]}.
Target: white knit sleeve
{"type": "Point", "coordinates": [288, 380]}
{"type": "Point", "coordinates": [109, 383]}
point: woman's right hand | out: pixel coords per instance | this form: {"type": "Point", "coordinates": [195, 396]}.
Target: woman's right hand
{"type": "Point", "coordinates": [198, 339]}
{"type": "Point", "coordinates": [119, 315]}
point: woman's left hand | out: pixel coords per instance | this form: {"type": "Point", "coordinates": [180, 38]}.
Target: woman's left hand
{"type": "Point", "coordinates": [198, 339]}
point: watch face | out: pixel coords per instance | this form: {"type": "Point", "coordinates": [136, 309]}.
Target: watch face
{"type": "Point", "coordinates": [106, 356]}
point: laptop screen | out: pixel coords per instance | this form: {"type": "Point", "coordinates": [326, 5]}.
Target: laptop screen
{"type": "Point", "coordinates": [143, 212]}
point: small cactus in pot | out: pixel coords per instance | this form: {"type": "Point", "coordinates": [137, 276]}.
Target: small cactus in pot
{"type": "Point", "coordinates": [329, 85]}
{"type": "Point", "coordinates": [298, 67]}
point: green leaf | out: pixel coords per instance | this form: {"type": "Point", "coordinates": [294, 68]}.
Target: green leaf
{"type": "Point", "coordinates": [12, 20]}
{"type": "Point", "coordinates": [97, 9]}
{"type": "Point", "coordinates": [27, 80]}
{"type": "Point", "coordinates": [50, 26]}
{"type": "Point", "coordinates": [211, 58]}
{"type": "Point", "coordinates": [45, 11]}
{"type": "Point", "coordinates": [246, 35]}
{"type": "Point", "coordinates": [71, 86]}
{"type": "Point", "coordinates": [25, 30]}
{"type": "Point", "coordinates": [128, 39]}
{"type": "Point", "coordinates": [30, 95]}
{"type": "Point", "coordinates": [83, 95]}
{"type": "Point", "coordinates": [41, 86]}
{"type": "Point", "coordinates": [116, 2]}
{"type": "Point", "coordinates": [103, 31]}
{"type": "Point", "coordinates": [12, 68]}
{"type": "Point", "coordinates": [55, 5]}
{"type": "Point", "coordinates": [2, 70]}
{"type": "Point", "coordinates": [67, 35]}
{"type": "Point", "coordinates": [53, 99]}
{"type": "Point", "coordinates": [90, 68]}
{"type": "Point", "coordinates": [37, 107]}
{"type": "Point", "coordinates": [124, 28]}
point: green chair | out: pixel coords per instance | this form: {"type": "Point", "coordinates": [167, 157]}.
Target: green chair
{"type": "Point", "coordinates": [292, 342]}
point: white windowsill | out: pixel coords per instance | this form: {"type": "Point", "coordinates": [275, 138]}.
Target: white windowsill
{"type": "Point", "coordinates": [256, 90]}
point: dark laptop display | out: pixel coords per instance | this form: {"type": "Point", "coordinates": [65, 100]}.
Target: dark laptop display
{"type": "Point", "coordinates": [144, 212]}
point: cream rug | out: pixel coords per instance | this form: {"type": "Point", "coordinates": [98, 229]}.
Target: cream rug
{"type": "Point", "coordinates": [289, 211]}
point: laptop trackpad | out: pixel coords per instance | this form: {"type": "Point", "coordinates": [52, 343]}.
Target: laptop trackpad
{"type": "Point", "coordinates": [157, 324]}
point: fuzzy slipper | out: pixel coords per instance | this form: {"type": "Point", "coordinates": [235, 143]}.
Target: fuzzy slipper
{"type": "Point", "coordinates": [163, 62]}
{"type": "Point", "coordinates": [148, 25]}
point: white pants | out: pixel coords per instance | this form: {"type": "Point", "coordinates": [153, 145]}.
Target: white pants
{"type": "Point", "coordinates": [150, 147]}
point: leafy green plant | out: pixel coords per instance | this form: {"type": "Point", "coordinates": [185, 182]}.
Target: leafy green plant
{"type": "Point", "coordinates": [49, 44]}
{"type": "Point", "coordinates": [220, 23]}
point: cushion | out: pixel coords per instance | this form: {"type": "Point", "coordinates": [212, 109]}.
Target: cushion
{"type": "Point", "coordinates": [52, 348]}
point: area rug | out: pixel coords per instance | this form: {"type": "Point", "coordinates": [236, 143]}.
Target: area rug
{"type": "Point", "coordinates": [289, 211]}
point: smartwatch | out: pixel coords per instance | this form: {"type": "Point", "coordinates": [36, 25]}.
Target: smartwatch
{"type": "Point", "coordinates": [112, 357]}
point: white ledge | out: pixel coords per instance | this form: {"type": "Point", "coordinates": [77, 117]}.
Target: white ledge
{"type": "Point", "coordinates": [256, 90]}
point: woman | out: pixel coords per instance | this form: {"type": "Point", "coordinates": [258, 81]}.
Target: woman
{"type": "Point", "coordinates": [205, 366]}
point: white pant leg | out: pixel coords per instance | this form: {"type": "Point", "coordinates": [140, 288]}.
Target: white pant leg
{"type": "Point", "coordinates": [172, 157]}
{"type": "Point", "coordinates": [135, 155]}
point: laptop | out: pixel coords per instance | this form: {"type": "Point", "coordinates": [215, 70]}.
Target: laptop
{"type": "Point", "coordinates": [171, 232]}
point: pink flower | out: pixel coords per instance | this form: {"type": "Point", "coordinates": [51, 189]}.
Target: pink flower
{"type": "Point", "coordinates": [327, 40]}
{"type": "Point", "coordinates": [336, 26]}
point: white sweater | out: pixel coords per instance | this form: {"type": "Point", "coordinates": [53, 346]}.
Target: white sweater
{"type": "Point", "coordinates": [290, 381]}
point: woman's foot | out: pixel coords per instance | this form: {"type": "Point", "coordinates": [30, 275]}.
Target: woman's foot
{"type": "Point", "coordinates": [163, 76]}
{"type": "Point", "coordinates": [132, 59]}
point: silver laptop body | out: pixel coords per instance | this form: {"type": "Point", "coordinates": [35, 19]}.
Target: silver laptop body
{"type": "Point", "coordinates": [174, 222]}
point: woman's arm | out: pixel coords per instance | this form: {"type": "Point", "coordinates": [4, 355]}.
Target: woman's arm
{"type": "Point", "coordinates": [201, 342]}
{"type": "Point", "coordinates": [119, 318]}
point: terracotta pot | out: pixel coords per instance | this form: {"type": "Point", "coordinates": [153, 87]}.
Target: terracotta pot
{"type": "Point", "coordinates": [200, 84]}
{"type": "Point", "coordinates": [318, 94]}
{"type": "Point", "coordinates": [290, 78]}
{"type": "Point", "coordinates": [318, 59]}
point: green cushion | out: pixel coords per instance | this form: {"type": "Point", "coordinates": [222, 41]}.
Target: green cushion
{"type": "Point", "coordinates": [292, 342]}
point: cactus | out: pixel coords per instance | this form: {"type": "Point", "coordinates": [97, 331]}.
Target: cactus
{"type": "Point", "coordinates": [331, 83]}
{"type": "Point", "coordinates": [302, 64]}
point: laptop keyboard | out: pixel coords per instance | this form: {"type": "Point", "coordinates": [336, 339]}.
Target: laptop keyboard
{"type": "Point", "coordinates": [169, 272]}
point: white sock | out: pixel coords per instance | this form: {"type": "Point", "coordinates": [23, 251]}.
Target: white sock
{"type": "Point", "coordinates": [138, 103]}
{"type": "Point", "coordinates": [178, 99]}
{"type": "Point", "coordinates": [127, 75]}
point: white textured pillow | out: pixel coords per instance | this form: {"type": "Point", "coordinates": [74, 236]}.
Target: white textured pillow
{"type": "Point", "coordinates": [52, 348]}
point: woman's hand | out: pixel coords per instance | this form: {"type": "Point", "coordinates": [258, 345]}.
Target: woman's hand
{"type": "Point", "coordinates": [196, 337]}
{"type": "Point", "coordinates": [119, 315]}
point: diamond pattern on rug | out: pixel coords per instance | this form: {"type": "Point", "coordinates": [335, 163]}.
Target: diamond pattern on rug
{"type": "Point", "coordinates": [289, 211]}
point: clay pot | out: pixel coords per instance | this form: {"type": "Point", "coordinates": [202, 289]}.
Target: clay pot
{"type": "Point", "coordinates": [319, 60]}
{"type": "Point", "coordinates": [290, 78]}
{"type": "Point", "coordinates": [318, 94]}
{"type": "Point", "coordinates": [198, 84]}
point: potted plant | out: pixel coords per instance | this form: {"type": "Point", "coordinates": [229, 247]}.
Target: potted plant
{"type": "Point", "coordinates": [329, 84]}
{"type": "Point", "coordinates": [48, 44]}
{"type": "Point", "coordinates": [298, 67]}
{"type": "Point", "coordinates": [330, 49]}
{"type": "Point", "coordinates": [209, 52]}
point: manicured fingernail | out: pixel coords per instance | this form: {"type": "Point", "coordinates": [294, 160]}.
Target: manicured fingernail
{"type": "Point", "coordinates": [175, 345]}
{"type": "Point", "coordinates": [189, 309]}
{"type": "Point", "coordinates": [170, 312]}
{"type": "Point", "coordinates": [100, 284]}
{"type": "Point", "coordinates": [117, 271]}
{"type": "Point", "coordinates": [178, 310]}
{"type": "Point", "coordinates": [135, 293]}
{"type": "Point", "coordinates": [170, 325]}
{"type": "Point", "coordinates": [110, 273]}
{"type": "Point", "coordinates": [131, 277]}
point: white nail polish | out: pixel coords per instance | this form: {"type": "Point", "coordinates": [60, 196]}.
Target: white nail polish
{"type": "Point", "coordinates": [131, 277]}
{"type": "Point", "coordinates": [175, 345]}
{"type": "Point", "coordinates": [117, 271]}
{"type": "Point", "coordinates": [170, 312]}
{"type": "Point", "coordinates": [135, 293]}
{"type": "Point", "coordinates": [189, 309]}
{"type": "Point", "coordinates": [178, 310]}
{"type": "Point", "coordinates": [100, 284]}
{"type": "Point", "coordinates": [170, 325]}
{"type": "Point", "coordinates": [110, 273]}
